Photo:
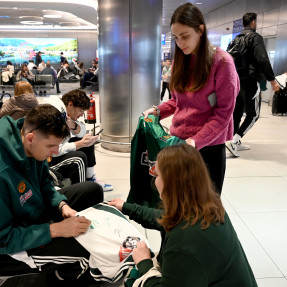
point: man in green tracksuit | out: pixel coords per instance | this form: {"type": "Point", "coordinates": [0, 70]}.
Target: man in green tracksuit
{"type": "Point", "coordinates": [29, 242]}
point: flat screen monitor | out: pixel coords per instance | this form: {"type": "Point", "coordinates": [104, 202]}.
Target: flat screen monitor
{"type": "Point", "coordinates": [20, 50]}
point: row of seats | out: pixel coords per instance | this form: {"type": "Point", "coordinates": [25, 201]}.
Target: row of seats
{"type": "Point", "coordinates": [48, 79]}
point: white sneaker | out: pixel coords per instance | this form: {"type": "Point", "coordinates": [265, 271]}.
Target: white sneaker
{"type": "Point", "coordinates": [232, 147]}
{"type": "Point", "coordinates": [241, 146]}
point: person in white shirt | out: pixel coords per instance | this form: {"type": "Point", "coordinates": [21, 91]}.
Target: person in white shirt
{"type": "Point", "coordinates": [8, 73]}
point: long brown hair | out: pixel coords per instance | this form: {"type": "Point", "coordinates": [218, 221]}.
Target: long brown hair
{"type": "Point", "coordinates": [183, 73]}
{"type": "Point", "coordinates": [188, 194]}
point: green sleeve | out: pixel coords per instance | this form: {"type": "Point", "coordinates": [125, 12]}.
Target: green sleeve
{"type": "Point", "coordinates": [143, 215]}
{"type": "Point", "coordinates": [16, 239]}
{"type": "Point", "coordinates": [48, 190]}
{"type": "Point", "coordinates": [179, 268]}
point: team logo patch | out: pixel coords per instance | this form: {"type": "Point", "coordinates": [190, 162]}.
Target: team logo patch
{"type": "Point", "coordinates": [21, 186]}
{"type": "Point", "coordinates": [151, 170]}
{"type": "Point", "coordinates": [144, 158]}
{"type": "Point", "coordinates": [49, 159]}
{"type": "Point", "coordinates": [148, 120]}
{"type": "Point", "coordinates": [25, 197]}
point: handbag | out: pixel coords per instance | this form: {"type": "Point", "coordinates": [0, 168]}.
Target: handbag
{"type": "Point", "coordinates": [147, 142]}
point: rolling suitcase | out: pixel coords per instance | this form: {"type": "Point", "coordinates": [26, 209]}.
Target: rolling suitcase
{"type": "Point", "coordinates": [279, 103]}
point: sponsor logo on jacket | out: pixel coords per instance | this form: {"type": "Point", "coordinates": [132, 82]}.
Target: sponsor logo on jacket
{"type": "Point", "coordinates": [25, 197]}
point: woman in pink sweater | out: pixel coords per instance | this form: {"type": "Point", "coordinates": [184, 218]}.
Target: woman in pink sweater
{"type": "Point", "coordinates": [204, 85]}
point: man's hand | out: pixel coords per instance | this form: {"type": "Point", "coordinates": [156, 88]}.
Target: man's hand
{"type": "Point", "coordinates": [70, 227]}
{"type": "Point", "coordinates": [117, 203]}
{"type": "Point", "coordinates": [275, 86]}
{"type": "Point", "coordinates": [67, 211]}
{"type": "Point", "coordinates": [141, 252]}
{"type": "Point", "coordinates": [86, 141]}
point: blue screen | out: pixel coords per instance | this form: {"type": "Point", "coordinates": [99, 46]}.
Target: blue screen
{"type": "Point", "coordinates": [20, 50]}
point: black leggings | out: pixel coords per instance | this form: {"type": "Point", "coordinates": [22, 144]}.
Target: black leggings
{"type": "Point", "coordinates": [215, 160]}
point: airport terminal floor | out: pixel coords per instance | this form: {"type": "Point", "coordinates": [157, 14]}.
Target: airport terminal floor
{"type": "Point", "coordinates": [254, 193]}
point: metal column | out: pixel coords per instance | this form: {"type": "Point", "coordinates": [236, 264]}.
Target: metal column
{"type": "Point", "coordinates": [129, 65]}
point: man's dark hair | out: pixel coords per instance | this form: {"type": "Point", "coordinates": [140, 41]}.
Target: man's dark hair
{"type": "Point", "coordinates": [248, 18]}
{"type": "Point", "coordinates": [61, 53]}
{"type": "Point", "coordinates": [78, 98]}
{"type": "Point", "coordinates": [9, 63]}
{"type": "Point", "coordinates": [48, 120]}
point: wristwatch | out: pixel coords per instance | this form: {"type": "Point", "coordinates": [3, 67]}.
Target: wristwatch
{"type": "Point", "coordinates": [76, 126]}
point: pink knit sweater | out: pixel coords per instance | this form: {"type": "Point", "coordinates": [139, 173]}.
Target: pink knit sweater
{"type": "Point", "coordinates": [206, 116]}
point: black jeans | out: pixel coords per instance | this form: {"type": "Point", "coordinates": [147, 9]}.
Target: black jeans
{"type": "Point", "coordinates": [165, 86]}
{"type": "Point", "coordinates": [215, 160]}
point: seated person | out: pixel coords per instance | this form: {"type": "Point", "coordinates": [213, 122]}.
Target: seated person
{"type": "Point", "coordinates": [80, 68]}
{"type": "Point", "coordinates": [38, 223]}
{"type": "Point", "coordinates": [64, 70]}
{"type": "Point", "coordinates": [22, 102]}
{"type": "Point", "coordinates": [200, 245]}
{"type": "Point", "coordinates": [50, 71]}
{"type": "Point", "coordinates": [7, 74]}
{"type": "Point", "coordinates": [76, 158]}
{"type": "Point", "coordinates": [25, 75]}
{"type": "Point", "coordinates": [31, 65]}
{"type": "Point", "coordinates": [41, 66]}
{"type": "Point", "coordinates": [88, 75]}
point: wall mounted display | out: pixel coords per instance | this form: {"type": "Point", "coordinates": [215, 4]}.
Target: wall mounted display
{"type": "Point", "coordinates": [20, 50]}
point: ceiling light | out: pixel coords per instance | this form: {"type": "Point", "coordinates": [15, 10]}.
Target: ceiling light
{"type": "Point", "coordinates": [15, 8]}
{"type": "Point", "coordinates": [198, 3]}
{"type": "Point", "coordinates": [31, 17]}
{"type": "Point", "coordinates": [31, 22]}
{"type": "Point", "coordinates": [51, 14]}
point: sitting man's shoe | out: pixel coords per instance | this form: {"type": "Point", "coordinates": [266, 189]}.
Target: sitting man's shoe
{"type": "Point", "coordinates": [59, 92]}
{"type": "Point", "coordinates": [241, 146]}
{"type": "Point", "coordinates": [105, 186]}
{"type": "Point", "coordinates": [232, 147]}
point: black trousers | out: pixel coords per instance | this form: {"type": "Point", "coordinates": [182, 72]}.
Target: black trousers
{"type": "Point", "coordinates": [215, 160]}
{"type": "Point", "coordinates": [248, 100]}
{"type": "Point", "coordinates": [75, 163]}
{"type": "Point", "coordinates": [165, 86]}
{"type": "Point", "coordinates": [65, 255]}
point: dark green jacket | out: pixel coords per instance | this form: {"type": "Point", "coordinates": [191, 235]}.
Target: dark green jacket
{"type": "Point", "coordinates": [27, 194]}
{"type": "Point", "coordinates": [193, 256]}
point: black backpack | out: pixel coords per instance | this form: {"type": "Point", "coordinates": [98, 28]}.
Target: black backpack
{"type": "Point", "coordinates": [238, 49]}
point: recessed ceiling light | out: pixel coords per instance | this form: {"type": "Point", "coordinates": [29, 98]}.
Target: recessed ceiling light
{"type": "Point", "coordinates": [198, 3]}
{"type": "Point", "coordinates": [31, 17]}
{"type": "Point", "coordinates": [15, 8]}
{"type": "Point", "coordinates": [51, 14]}
{"type": "Point", "coordinates": [31, 22]}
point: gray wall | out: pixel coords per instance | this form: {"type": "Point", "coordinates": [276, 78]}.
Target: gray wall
{"type": "Point", "coordinates": [87, 41]}
{"type": "Point", "coordinates": [271, 22]}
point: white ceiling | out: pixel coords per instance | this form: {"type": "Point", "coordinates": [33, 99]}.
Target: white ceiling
{"type": "Point", "coordinates": [75, 15]}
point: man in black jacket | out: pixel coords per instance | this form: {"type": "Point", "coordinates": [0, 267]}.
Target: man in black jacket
{"type": "Point", "coordinates": [38, 58]}
{"type": "Point", "coordinates": [248, 98]}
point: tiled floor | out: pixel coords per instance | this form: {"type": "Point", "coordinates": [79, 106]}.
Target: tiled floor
{"type": "Point", "coordinates": [254, 194]}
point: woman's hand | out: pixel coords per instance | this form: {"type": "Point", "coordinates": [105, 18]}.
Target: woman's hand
{"type": "Point", "coordinates": [190, 142]}
{"type": "Point", "coordinates": [117, 203]}
{"type": "Point", "coordinates": [151, 111]}
{"type": "Point", "coordinates": [141, 252]}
